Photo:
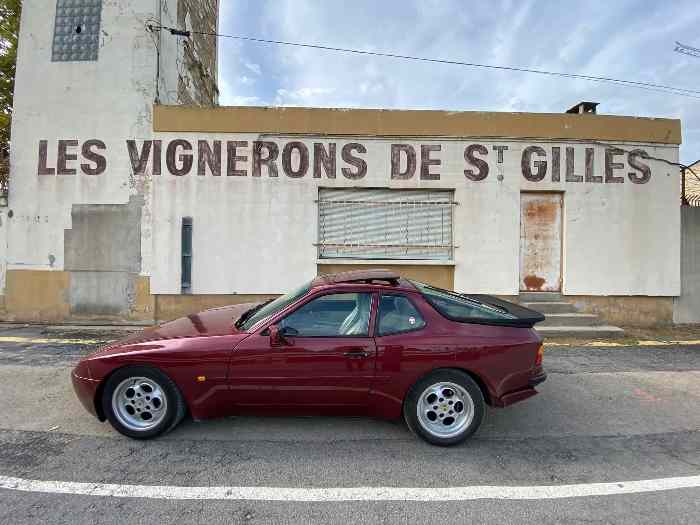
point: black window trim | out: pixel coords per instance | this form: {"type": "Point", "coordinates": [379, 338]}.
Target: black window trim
{"type": "Point", "coordinates": [522, 317]}
{"type": "Point", "coordinates": [372, 315]}
{"type": "Point", "coordinates": [413, 303]}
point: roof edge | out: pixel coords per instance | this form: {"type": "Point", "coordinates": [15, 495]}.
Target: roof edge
{"type": "Point", "coordinates": [414, 123]}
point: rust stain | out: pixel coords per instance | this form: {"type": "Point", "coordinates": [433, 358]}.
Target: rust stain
{"type": "Point", "coordinates": [532, 282]}
{"type": "Point", "coordinates": [543, 212]}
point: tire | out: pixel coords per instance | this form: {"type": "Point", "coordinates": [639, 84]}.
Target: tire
{"type": "Point", "coordinates": [445, 407]}
{"type": "Point", "coordinates": [142, 402]}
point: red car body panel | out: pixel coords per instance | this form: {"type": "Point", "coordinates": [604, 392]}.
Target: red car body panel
{"type": "Point", "coordinates": [243, 372]}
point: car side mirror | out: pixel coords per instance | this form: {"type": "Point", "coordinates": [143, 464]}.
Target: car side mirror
{"type": "Point", "coordinates": [281, 337]}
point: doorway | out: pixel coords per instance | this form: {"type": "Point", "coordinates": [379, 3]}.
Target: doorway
{"type": "Point", "coordinates": [540, 241]}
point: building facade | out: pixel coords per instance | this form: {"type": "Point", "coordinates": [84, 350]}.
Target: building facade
{"type": "Point", "coordinates": [122, 209]}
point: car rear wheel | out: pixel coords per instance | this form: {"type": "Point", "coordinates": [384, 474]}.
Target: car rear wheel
{"type": "Point", "coordinates": [142, 402]}
{"type": "Point", "coordinates": [445, 407]}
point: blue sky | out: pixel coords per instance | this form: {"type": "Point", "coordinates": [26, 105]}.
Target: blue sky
{"type": "Point", "coordinates": [623, 39]}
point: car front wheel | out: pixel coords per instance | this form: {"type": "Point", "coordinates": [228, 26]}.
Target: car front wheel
{"type": "Point", "coordinates": [445, 407]}
{"type": "Point", "coordinates": [142, 402]}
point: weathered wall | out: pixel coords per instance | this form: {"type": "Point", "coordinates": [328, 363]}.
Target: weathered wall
{"type": "Point", "coordinates": [103, 255]}
{"type": "Point", "coordinates": [686, 308]}
{"type": "Point", "coordinates": [257, 234]}
{"type": "Point", "coordinates": [100, 267]}
{"type": "Point", "coordinates": [107, 98]}
{"type": "Point", "coordinates": [197, 80]}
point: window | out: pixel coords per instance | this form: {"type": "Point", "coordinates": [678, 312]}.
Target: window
{"type": "Point", "coordinates": [186, 270]}
{"type": "Point", "coordinates": [398, 314]}
{"type": "Point", "coordinates": [342, 314]}
{"type": "Point", "coordinates": [272, 307]}
{"type": "Point", "coordinates": [459, 307]}
{"type": "Point", "coordinates": [366, 223]}
{"type": "Point", "coordinates": [76, 34]}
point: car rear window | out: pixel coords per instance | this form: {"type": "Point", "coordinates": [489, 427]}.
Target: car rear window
{"type": "Point", "coordinates": [458, 307]}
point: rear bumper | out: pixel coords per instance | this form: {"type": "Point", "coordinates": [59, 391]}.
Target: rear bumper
{"type": "Point", "coordinates": [86, 389]}
{"type": "Point", "coordinates": [537, 379]}
{"type": "Point", "coordinates": [522, 393]}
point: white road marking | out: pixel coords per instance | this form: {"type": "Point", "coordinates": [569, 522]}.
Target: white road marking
{"type": "Point", "coordinates": [535, 492]}
{"type": "Point", "coordinates": [47, 340]}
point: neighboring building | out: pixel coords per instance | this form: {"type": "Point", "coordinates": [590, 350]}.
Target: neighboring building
{"type": "Point", "coordinates": [686, 308]}
{"type": "Point", "coordinates": [121, 210]}
{"type": "Point", "coordinates": [692, 184]}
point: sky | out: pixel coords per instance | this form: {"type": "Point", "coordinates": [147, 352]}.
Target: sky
{"type": "Point", "coordinates": [632, 40]}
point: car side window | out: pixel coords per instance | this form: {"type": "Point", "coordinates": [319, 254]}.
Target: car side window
{"type": "Point", "coordinates": [333, 315]}
{"type": "Point", "coordinates": [398, 314]}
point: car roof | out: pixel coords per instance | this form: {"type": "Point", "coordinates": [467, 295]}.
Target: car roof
{"type": "Point", "coordinates": [378, 277]}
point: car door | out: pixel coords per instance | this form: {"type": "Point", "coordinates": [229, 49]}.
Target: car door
{"type": "Point", "coordinates": [325, 360]}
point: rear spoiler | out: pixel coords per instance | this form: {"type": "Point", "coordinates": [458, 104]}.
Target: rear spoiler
{"type": "Point", "coordinates": [523, 317]}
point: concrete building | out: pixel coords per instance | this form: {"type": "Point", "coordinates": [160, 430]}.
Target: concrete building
{"type": "Point", "coordinates": [686, 307]}
{"type": "Point", "coordinates": [122, 209]}
{"type": "Point", "coordinates": [692, 184]}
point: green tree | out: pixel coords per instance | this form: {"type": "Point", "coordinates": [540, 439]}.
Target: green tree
{"type": "Point", "coordinates": [9, 30]}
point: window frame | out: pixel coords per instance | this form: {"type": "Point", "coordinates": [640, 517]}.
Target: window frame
{"type": "Point", "coordinates": [313, 296]}
{"type": "Point", "coordinates": [410, 300]}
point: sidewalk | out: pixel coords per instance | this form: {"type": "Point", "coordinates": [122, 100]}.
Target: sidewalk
{"type": "Point", "coordinates": [688, 335]}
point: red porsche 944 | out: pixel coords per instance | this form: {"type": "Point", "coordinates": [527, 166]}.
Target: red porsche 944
{"type": "Point", "coordinates": [356, 343]}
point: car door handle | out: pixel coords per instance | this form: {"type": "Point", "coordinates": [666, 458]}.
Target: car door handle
{"type": "Point", "coordinates": [356, 354]}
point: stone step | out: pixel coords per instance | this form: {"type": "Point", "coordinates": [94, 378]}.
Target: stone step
{"type": "Point", "coordinates": [570, 319]}
{"type": "Point", "coordinates": [531, 297]}
{"type": "Point", "coordinates": [591, 332]}
{"type": "Point", "coordinates": [551, 307]}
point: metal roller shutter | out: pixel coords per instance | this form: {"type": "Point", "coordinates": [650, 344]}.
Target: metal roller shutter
{"type": "Point", "coordinates": [368, 223]}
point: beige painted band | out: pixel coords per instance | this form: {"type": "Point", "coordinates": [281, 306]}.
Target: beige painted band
{"type": "Point", "coordinates": [415, 123]}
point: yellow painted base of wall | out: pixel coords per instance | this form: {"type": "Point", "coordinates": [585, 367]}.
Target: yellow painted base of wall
{"type": "Point", "coordinates": [170, 307]}
{"type": "Point", "coordinates": [42, 297]}
{"type": "Point", "coordinates": [442, 276]}
{"type": "Point", "coordinates": [634, 310]}
{"type": "Point", "coordinates": [37, 296]}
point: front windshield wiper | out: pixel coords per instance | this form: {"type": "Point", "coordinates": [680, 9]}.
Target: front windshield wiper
{"type": "Point", "coordinates": [250, 312]}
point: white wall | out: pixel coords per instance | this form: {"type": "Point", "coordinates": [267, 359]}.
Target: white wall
{"type": "Point", "coordinates": [256, 235]}
{"type": "Point", "coordinates": [108, 99]}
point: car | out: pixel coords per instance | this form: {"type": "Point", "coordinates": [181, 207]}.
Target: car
{"type": "Point", "coordinates": [367, 343]}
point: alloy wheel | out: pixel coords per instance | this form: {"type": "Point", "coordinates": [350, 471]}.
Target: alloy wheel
{"type": "Point", "coordinates": [445, 409]}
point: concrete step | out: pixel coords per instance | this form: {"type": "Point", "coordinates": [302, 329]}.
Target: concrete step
{"type": "Point", "coordinates": [571, 319]}
{"type": "Point", "coordinates": [531, 297]}
{"type": "Point", "coordinates": [551, 307]}
{"type": "Point", "coordinates": [590, 332]}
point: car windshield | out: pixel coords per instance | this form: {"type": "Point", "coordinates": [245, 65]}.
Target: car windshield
{"type": "Point", "coordinates": [275, 306]}
{"type": "Point", "coordinates": [459, 307]}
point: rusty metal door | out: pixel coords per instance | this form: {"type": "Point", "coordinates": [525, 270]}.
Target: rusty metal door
{"type": "Point", "coordinates": [540, 242]}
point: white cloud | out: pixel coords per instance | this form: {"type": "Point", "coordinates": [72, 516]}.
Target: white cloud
{"type": "Point", "coordinates": [305, 96]}
{"type": "Point", "coordinates": [254, 68]}
{"type": "Point", "coordinates": [238, 100]}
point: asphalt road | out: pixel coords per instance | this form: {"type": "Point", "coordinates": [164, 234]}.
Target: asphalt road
{"type": "Point", "coordinates": [604, 416]}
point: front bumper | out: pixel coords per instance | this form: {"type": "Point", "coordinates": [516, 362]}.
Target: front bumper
{"type": "Point", "coordinates": [86, 390]}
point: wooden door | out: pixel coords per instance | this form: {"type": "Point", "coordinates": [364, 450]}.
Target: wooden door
{"type": "Point", "coordinates": [540, 242]}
